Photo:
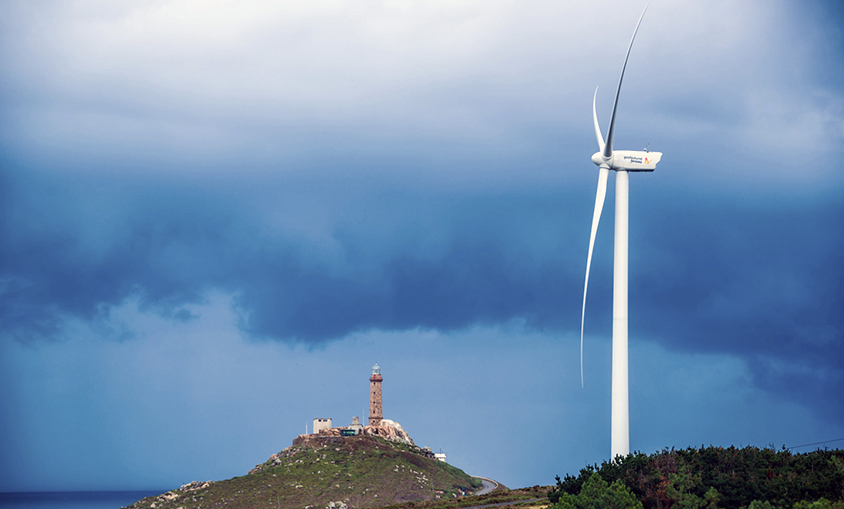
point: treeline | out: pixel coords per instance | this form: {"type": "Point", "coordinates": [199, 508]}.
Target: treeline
{"type": "Point", "coordinates": [709, 477]}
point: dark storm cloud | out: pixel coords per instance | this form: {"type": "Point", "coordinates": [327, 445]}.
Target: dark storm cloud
{"type": "Point", "coordinates": [75, 245]}
{"type": "Point", "coordinates": [447, 262]}
{"type": "Point", "coordinates": [761, 281]}
{"type": "Point", "coordinates": [708, 274]}
{"type": "Point", "coordinates": [472, 283]}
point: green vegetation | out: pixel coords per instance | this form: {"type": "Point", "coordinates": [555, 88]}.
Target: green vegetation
{"type": "Point", "coordinates": [360, 472]}
{"type": "Point", "coordinates": [596, 493]}
{"type": "Point", "coordinates": [710, 477]}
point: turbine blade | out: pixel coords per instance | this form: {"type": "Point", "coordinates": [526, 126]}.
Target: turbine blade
{"type": "Point", "coordinates": [596, 217]}
{"type": "Point", "coordinates": [595, 120]}
{"type": "Point", "coordinates": [608, 147]}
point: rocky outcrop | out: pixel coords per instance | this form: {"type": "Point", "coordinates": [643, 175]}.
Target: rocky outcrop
{"type": "Point", "coordinates": [174, 494]}
{"type": "Point", "coordinates": [195, 485]}
{"type": "Point", "coordinates": [388, 430]}
{"type": "Point", "coordinates": [393, 433]}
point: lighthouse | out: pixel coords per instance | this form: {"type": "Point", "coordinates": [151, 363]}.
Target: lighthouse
{"type": "Point", "coordinates": [376, 410]}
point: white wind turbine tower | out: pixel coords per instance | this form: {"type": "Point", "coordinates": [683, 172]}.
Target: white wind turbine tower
{"type": "Point", "coordinates": [622, 162]}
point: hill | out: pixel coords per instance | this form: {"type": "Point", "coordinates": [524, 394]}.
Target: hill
{"type": "Point", "coordinates": [320, 471]}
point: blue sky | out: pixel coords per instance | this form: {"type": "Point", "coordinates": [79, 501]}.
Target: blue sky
{"type": "Point", "coordinates": [217, 216]}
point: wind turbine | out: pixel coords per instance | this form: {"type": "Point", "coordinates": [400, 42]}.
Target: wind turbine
{"type": "Point", "coordinates": [622, 162]}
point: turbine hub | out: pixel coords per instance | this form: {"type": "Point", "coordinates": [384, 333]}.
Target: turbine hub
{"type": "Point", "coordinates": [598, 158]}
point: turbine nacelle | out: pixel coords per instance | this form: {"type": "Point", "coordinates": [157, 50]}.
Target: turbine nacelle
{"type": "Point", "coordinates": [629, 160]}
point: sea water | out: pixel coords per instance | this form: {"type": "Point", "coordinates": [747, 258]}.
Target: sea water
{"type": "Point", "coordinates": [73, 499]}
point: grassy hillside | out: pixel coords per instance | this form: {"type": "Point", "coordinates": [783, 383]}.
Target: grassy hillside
{"type": "Point", "coordinates": [361, 471]}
